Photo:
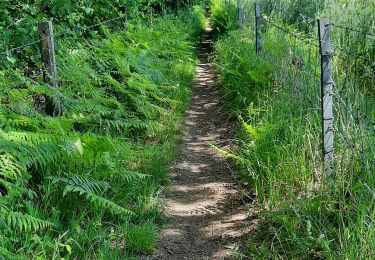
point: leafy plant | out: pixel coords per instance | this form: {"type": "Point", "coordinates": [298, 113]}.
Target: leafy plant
{"type": "Point", "coordinates": [302, 213]}
{"type": "Point", "coordinates": [70, 182]}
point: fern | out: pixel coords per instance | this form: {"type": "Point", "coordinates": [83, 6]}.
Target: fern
{"type": "Point", "coordinates": [10, 168]}
{"type": "Point", "coordinates": [119, 96]}
{"type": "Point", "coordinates": [5, 254]}
{"type": "Point", "coordinates": [105, 203]}
{"type": "Point", "coordinates": [12, 176]}
{"type": "Point", "coordinates": [85, 185]}
{"type": "Point", "coordinates": [129, 176]}
{"type": "Point", "coordinates": [92, 190]}
{"type": "Point", "coordinates": [30, 148]}
{"type": "Point", "coordinates": [22, 221]}
{"type": "Point", "coordinates": [18, 121]}
{"type": "Point", "coordinates": [13, 189]}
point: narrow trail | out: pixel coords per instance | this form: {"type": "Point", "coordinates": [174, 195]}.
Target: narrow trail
{"type": "Point", "coordinates": [207, 217]}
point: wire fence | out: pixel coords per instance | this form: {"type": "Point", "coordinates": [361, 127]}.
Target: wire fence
{"type": "Point", "coordinates": [353, 75]}
{"type": "Point", "coordinates": [63, 33]}
{"type": "Point", "coordinates": [294, 52]}
{"type": "Point", "coordinates": [23, 68]}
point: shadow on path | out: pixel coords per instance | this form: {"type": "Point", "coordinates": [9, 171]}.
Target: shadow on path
{"type": "Point", "coordinates": [207, 217]}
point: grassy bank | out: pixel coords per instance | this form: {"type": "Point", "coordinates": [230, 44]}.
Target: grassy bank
{"type": "Point", "coordinates": [85, 185]}
{"type": "Point", "coordinates": [302, 213]}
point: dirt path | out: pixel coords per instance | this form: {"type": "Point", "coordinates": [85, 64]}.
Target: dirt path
{"type": "Point", "coordinates": [206, 214]}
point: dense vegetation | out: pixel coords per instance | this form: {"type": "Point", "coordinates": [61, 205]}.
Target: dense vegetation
{"type": "Point", "coordinates": [302, 213]}
{"type": "Point", "coordinates": [85, 185]}
{"type": "Point", "coordinates": [302, 15]}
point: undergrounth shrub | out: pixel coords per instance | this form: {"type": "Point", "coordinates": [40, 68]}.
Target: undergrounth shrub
{"type": "Point", "coordinates": [84, 185]}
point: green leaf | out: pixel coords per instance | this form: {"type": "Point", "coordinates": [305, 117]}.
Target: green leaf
{"type": "Point", "coordinates": [11, 59]}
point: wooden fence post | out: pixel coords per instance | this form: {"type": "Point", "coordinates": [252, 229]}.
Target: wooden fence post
{"type": "Point", "coordinates": [49, 60]}
{"type": "Point", "coordinates": [324, 29]}
{"type": "Point", "coordinates": [239, 11]}
{"type": "Point", "coordinates": [48, 53]}
{"type": "Point", "coordinates": [258, 46]}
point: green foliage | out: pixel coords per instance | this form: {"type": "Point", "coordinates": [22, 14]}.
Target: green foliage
{"type": "Point", "coordinates": [92, 190]}
{"type": "Point", "coordinates": [223, 16]}
{"type": "Point", "coordinates": [18, 21]}
{"type": "Point", "coordinates": [141, 238]}
{"type": "Point", "coordinates": [303, 214]}
{"type": "Point", "coordinates": [293, 12]}
{"type": "Point", "coordinates": [70, 182]}
{"type": "Point", "coordinates": [302, 14]}
{"type": "Point", "coordinates": [23, 222]}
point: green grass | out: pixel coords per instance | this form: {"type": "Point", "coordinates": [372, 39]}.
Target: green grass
{"type": "Point", "coordinates": [222, 17]}
{"type": "Point", "coordinates": [302, 213]}
{"type": "Point", "coordinates": [141, 238]}
{"type": "Point", "coordinates": [85, 185]}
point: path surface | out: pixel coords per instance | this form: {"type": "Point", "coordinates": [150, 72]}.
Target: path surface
{"type": "Point", "coordinates": [206, 214]}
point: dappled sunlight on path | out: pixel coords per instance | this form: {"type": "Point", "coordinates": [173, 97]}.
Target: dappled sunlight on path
{"type": "Point", "coordinates": [207, 216]}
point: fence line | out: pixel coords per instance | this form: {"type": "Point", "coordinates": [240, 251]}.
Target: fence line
{"type": "Point", "coordinates": [47, 44]}
{"type": "Point", "coordinates": [347, 89]}
{"type": "Point", "coordinates": [60, 34]}
{"type": "Point", "coordinates": [353, 30]}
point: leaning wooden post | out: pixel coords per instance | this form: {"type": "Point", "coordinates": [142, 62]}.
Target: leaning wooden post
{"type": "Point", "coordinates": [49, 59]}
{"type": "Point", "coordinates": [258, 46]}
{"type": "Point", "coordinates": [324, 29]}
{"type": "Point", "coordinates": [239, 11]}
{"type": "Point", "coordinates": [48, 53]}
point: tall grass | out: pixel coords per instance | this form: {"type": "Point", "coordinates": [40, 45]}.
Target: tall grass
{"type": "Point", "coordinates": [357, 15]}
{"type": "Point", "coordinates": [303, 213]}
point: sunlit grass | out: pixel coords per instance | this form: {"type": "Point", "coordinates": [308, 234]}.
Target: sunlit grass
{"type": "Point", "coordinates": [303, 213]}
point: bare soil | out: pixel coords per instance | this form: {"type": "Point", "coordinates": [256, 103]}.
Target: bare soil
{"type": "Point", "coordinates": [206, 215]}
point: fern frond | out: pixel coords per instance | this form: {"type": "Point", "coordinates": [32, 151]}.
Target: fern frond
{"type": "Point", "coordinates": [18, 121]}
{"type": "Point", "coordinates": [5, 254]}
{"type": "Point", "coordinates": [22, 221]}
{"type": "Point", "coordinates": [84, 185]}
{"type": "Point", "coordinates": [110, 205]}
{"type": "Point", "coordinates": [91, 190]}
{"type": "Point", "coordinates": [129, 176]}
{"type": "Point", "coordinates": [10, 168]}
{"type": "Point", "coordinates": [30, 148]}
{"type": "Point", "coordinates": [13, 189]}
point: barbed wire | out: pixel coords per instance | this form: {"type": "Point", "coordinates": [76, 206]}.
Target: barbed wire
{"type": "Point", "coordinates": [355, 104]}
{"type": "Point", "coordinates": [352, 54]}
{"type": "Point", "coordinates": [353, 30]}
{"type": "Point", "coordinates": [310, 19]}
{"type": "Point", "coordinates": [302, 37]}
{"type": "Point", "coordinates": [24, 46]}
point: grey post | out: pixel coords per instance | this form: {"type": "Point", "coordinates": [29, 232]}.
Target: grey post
{"type": "Point", "coordinates": [239, 11]}
{"type": "Point", "coordinates": [230, 3]}
{"type": "Point", "coordinates": [48, 53]}
{"type": "Point", "coordinates": [258, 46]}
{"type": "Point", "coordinates": [324, 29]}
{"type": "Point", "coordinates": [49, 59]}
